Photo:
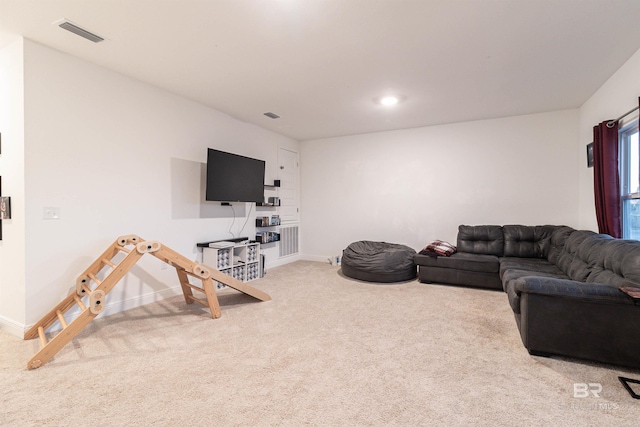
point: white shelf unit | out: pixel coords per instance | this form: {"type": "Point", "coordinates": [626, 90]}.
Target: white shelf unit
{"type": "Point", "coordinates": [241, 261]}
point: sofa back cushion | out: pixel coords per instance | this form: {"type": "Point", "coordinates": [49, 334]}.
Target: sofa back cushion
{"type": "Point", "coordinates": [569, 261]}
{"type": "Point", "coordinates": [612, 261]}
{"type": "Point", "coordinates": [599, 258]}
{"type": "Point", "coordinates": [524, 241]}
{"type": "Point", "coordinates": [556, 244]}
{"type": "Point", "coordinates": [480, 239]}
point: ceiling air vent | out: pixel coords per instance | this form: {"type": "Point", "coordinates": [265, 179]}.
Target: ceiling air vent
{"type": "Point", "coordinates": [69, 26]}
{"type": "Point", "coordinates": [272, 115]}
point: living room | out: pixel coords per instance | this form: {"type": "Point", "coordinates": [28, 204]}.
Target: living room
{"type": "Point", "coordinates": [118, 155]}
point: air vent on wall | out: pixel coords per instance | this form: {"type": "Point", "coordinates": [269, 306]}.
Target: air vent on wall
{"type": "Point", "coordinates": [69, 26]}
{"type": "Point", "coordinates": [272, 115]}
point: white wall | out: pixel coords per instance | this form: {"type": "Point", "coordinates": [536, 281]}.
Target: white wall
{"type": "Point", "coordinates": [416, 185]}
{"type": "Point", "coordinates": [12, 246]}
{"type": "Point", "coordinates": [118, 157]}
{"type": "Point", "coordinates": [617, 96]}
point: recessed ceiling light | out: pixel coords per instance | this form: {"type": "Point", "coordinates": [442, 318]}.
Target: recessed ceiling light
{"type": "Point", "coordinates": [389, 100]}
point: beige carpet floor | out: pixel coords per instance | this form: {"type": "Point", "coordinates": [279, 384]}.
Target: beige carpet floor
{"type": "Point", "coordinates": [326, 351]}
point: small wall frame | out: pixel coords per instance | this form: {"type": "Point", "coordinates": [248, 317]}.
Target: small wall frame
{"type": "Point", "coordinates": [0, 217]}
{"type": "Point", "coordinates": [5, 207]}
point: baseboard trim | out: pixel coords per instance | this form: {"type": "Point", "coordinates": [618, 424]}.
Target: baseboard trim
{"type": "Point", "coordinates": [317, 258]}
{"type": "Point", "coordinates": [140, 300]}
{"type": "Point", "coordinates": [120, 306]}
{"type": "Point", "coordinates": [282, 261]}
{"type": "Point", "coordinates": [11, 327]}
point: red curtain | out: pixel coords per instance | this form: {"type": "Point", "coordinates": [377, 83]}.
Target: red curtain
{"type": "Point", "coordinates": [606, 178]}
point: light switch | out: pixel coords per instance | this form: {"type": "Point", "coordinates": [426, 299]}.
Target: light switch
{"type": "Point", "coordinates": [51, 213]}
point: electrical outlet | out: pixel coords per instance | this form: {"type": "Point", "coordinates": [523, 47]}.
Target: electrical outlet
{"type": "Point", "coordinates": [51, 213]}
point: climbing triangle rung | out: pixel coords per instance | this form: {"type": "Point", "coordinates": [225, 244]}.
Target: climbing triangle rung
{"type": "Point", "coordinates": [194, 287]}
{"type": "Point", "coordinates": [109, 263]}
{"type": "Point", "coordinates": [123, 249]}
{"type": "Point", "coordinates": [43, 338]}
{"type": "Point", "coordinates": [198, 300]}
{"type": "Point", "coordinates": [94, 278]}
{"type": "Point", "coordinates": [61, 319]}
{"type": "Point", "coordinates": [78, 301]}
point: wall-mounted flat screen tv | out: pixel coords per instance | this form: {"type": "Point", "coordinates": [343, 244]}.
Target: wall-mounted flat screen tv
{"type": "Point", "coordinates": [234, 178]}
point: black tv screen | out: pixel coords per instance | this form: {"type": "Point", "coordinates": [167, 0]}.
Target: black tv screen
{"type": "Point", "coordinates": [234, 178]}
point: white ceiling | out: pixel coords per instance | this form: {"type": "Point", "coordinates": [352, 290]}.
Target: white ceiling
{"type": "Point", "coordinates": [319, 64]}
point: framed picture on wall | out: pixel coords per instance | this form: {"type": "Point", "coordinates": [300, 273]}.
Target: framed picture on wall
{"type": "Point", "coordinates": [0, 217]}
{"type": "Point", "coordinates": [5, 207]}
{"type": "Point", "coordinates": [590, 155]}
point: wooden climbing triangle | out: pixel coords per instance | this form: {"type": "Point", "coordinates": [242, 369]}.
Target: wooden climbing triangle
{"type": "Point", "coordinates": [91, 291]}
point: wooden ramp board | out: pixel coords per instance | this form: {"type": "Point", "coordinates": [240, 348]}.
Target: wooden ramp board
{"type": "Point", "coordinates": [236, 284]}
{"type": "Point", "coordinates": [90, 293]}
{"type": "Point", "coordinates": [172, 257]}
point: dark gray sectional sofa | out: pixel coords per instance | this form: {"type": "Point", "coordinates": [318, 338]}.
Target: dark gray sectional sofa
{"type": "Point", "coordinates": [562, 285]}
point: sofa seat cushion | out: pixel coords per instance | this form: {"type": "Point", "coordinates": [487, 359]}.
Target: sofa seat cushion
{"type": "Point", "coordinates": [462, 261]}
{"type": "Point", "coordinates": [536, 265]}
{"type": "Point", "coordinates": [453, 276]}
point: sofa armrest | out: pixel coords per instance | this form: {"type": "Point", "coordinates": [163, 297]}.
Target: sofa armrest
{"type": "Point", "coordinates": [571, 289]}
{"type": "Point", "coordinates": [592, 321]}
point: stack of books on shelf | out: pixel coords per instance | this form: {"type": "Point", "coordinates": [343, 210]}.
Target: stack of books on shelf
{"type": "Point", "coordinates": [262, 221]}
{"type": "Point", "coordinates": [265, 221]}
{"type": "Point", "coordinates": [267, 237]}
